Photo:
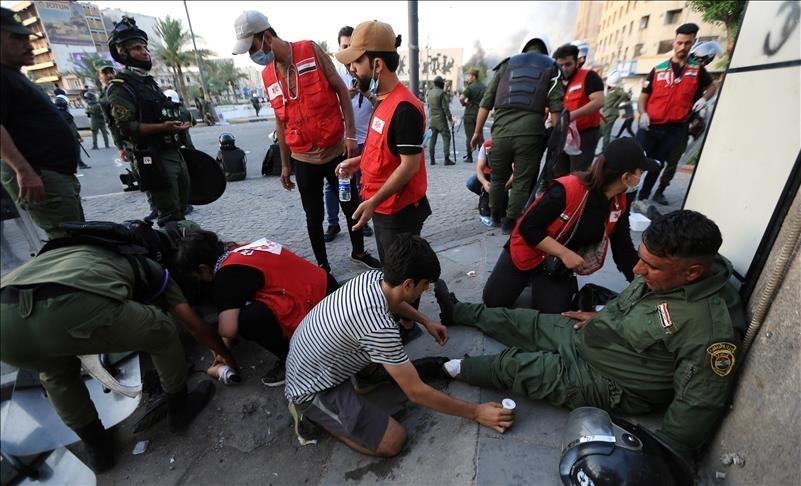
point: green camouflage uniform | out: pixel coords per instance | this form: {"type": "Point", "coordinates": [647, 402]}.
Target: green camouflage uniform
{"type": "Point", "coordinates": [97, 122]}
{"type": "Point", "coordinates": [439, 121]}
{"type": "Point", "coordinates": [473, 94]}
{"type": "Point", "coordinates": [518, 137]}
{"type": "Point", "coordinates": [171, 194]}
{"type": "Point", "coordinates": [47, 334]}
{"type": "Point", "coordinates": [644, 351]}
{"type": "Point", "coordinates": [612, 101]}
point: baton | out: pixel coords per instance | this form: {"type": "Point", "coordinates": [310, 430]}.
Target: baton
{"type": "Point", "coordinates": [453, 142]}
{"type": "Point", "coordinates": [84, 150]}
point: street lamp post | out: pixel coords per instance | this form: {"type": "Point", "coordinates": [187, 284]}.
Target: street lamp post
{"type": "Point", "coordinates": [197, 57]}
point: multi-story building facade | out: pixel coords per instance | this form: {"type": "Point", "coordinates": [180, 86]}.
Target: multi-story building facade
{"type": "Point", "coordinates": [634, 36]}
{"type": "Point", "coordinates": [66, 34]}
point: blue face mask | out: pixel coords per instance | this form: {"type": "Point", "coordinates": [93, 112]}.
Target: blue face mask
{"type": "Point", "coordinates": [260, 57]}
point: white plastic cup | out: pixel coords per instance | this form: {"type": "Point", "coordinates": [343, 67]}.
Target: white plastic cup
{"type": "Point", "coordinates": [227, 375]}
{"type": "Point", "coordinates": [508, 404]}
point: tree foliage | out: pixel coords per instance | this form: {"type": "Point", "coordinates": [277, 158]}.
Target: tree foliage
{"type": "Point", "coordinates": [222, 77]}
{"type": "Point", "coordinates": [87, 68]}
{"type": "Point", "coordinates": [727, 12]}
{"type": "Point", "coordinates": [174, 51]}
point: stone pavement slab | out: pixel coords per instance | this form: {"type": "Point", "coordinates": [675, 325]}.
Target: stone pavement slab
{"type": "Point", "coordinates": [244, 436]}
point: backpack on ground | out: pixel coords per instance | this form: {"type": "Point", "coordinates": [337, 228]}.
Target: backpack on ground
{"type": "Point", "coordinates": [135, 240]}
{"type": "Point", "coordinates": [271, 165]}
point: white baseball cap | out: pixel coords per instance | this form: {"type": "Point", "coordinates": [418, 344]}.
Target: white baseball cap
{"type": "Point", "coordinates": [250, 22]}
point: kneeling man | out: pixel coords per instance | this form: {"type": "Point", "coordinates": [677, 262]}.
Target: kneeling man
{"type": "Point", "coordinates": [355, 327]}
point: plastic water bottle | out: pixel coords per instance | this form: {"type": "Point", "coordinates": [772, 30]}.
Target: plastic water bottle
{"type": "Point", "coordinates": [344, 188]}
{"type": "Point", "coordinates": [227, 375]}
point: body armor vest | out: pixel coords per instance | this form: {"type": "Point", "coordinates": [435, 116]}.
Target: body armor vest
{"type": "Point", "coordinates": [525, 85]}
{"type": "Point", "coordinates": [152, 106]}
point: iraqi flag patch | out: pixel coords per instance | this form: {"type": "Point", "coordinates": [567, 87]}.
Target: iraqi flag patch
{"type": "Point", "coordinates": [721, 358]}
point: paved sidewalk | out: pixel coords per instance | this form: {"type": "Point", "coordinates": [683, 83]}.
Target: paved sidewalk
{"type": "Point", "coordinates": [244, 436]}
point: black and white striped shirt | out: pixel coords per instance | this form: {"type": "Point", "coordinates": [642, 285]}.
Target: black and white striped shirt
{"type": "Point", "coordinates": [345, 332]}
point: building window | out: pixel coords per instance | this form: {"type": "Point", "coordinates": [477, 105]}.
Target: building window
{"type": "Point", "coordinates": [631, 27]}
{"type": "Point", "coordinates": [672, 16]}
{"type": "Point", "coordinates": [644, 22]}
{"type": "Point", "coordinates": [665, 46]}
{"type": "Point", "coordinates": [638, 50]}
{"type": "Point", "coordinates": [189, 81]}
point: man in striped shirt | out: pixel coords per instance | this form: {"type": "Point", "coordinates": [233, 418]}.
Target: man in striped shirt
{"type": "Point", "coordinates": [356, 327]}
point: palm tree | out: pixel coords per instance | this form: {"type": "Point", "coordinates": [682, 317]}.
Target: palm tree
{"type": "Point", "coordinates": [171, 49]}
{"type": "Point", "coordinates": [87, 68]}
{"type": "Point", "coordinates": [230, 74]}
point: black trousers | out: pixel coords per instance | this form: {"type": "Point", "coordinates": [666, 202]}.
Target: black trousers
{"type": "Point", "coordinates": [310, 185]}
{"type": "Point", "coordinates": [257, 323]}
{"type": "Point", "coordinates": [549, 294]}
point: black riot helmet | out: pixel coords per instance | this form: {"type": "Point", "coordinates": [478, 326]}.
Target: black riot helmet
{"type": "Point", "coordinates": [62, 102]}
{"type": "Point", "coordinates": [126, 30]}
{"type": "Point", "coordinates": [227, 141]}
{"type": "Point", "coordinates": [605, 451]}
{"type": "Point", "coordinates": [90, 97]}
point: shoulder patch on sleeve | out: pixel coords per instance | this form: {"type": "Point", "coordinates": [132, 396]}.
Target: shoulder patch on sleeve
{"type": "Point", "coordinates": [120, 112]}
{"type": "Point", "coordinates": [721, 358]}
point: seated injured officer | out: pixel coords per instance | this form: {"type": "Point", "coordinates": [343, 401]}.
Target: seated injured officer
{"type": "Point", "coordinates": [355, 327]}
{"type": "Point", "coordinates": [261, 290]}
{"type": "Point", "coordinates": [670, 339]}
{"type": "Point", "coordinates": [85, 299]}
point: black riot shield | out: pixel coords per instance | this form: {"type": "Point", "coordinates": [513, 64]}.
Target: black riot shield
{"type": "Point", "coordinates": [206, 177]}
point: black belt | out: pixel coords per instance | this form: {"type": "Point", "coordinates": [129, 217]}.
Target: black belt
{"type": "Point", "coordinates": [10, 295]}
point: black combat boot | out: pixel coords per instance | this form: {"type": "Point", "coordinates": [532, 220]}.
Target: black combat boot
{"type": "Point", "coordinates": [183, 406]}
{"type": "Point", "coordinates": [99, 446]}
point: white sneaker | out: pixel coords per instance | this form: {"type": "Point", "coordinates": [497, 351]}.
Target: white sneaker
{"type": "Point", "coordinates": [640, 206]}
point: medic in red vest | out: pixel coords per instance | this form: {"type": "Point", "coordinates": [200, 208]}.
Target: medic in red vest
{"type": "Point", "coordinates": [567, 230]}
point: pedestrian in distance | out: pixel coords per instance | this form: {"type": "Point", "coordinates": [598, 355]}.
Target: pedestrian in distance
{"type": "Point", "coordinates": [470, 98]}
{"type": "Point", "coordinates": [440, 120]}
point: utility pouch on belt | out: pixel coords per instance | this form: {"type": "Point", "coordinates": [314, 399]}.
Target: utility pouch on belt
{"type": "Point", "coordinates": [150, 170]}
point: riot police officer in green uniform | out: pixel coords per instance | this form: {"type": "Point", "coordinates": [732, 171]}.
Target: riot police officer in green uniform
{"type": "Point", "coordinates": [670, 339]}
{"type": "Point", "coordinates": [150, 127]}
{"type": "Point", "coordinates": [86, 299]}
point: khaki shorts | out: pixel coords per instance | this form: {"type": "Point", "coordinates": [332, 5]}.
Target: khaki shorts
{"type": "Point", "coordinates": [342, 412]}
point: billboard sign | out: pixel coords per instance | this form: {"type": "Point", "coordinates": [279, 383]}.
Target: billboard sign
{"type": "Point", "coordinates": [64, 23]}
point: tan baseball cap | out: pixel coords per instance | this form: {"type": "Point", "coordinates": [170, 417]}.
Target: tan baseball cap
{"type": "Point", "coordinates": [370, 36]}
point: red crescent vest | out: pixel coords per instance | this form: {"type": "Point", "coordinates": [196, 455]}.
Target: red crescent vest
{"type": "Point", "coordinates": [313, 118]}
{"type": "Point", "coordinates": [292, 285]}
{"type": "Point", "coordinates": [527, 257]}
{"type": "Point", "coordinates": [378, 162]}
{"type": "Point", "coordinates": [576, 97]}
{"type": "Point", "coordinates": [671, 98]}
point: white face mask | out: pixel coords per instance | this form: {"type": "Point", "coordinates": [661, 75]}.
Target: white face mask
{"type": "Point", "coordinates": [373, 82]}
{"type": "Point", "coordinates": [635, 187]}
